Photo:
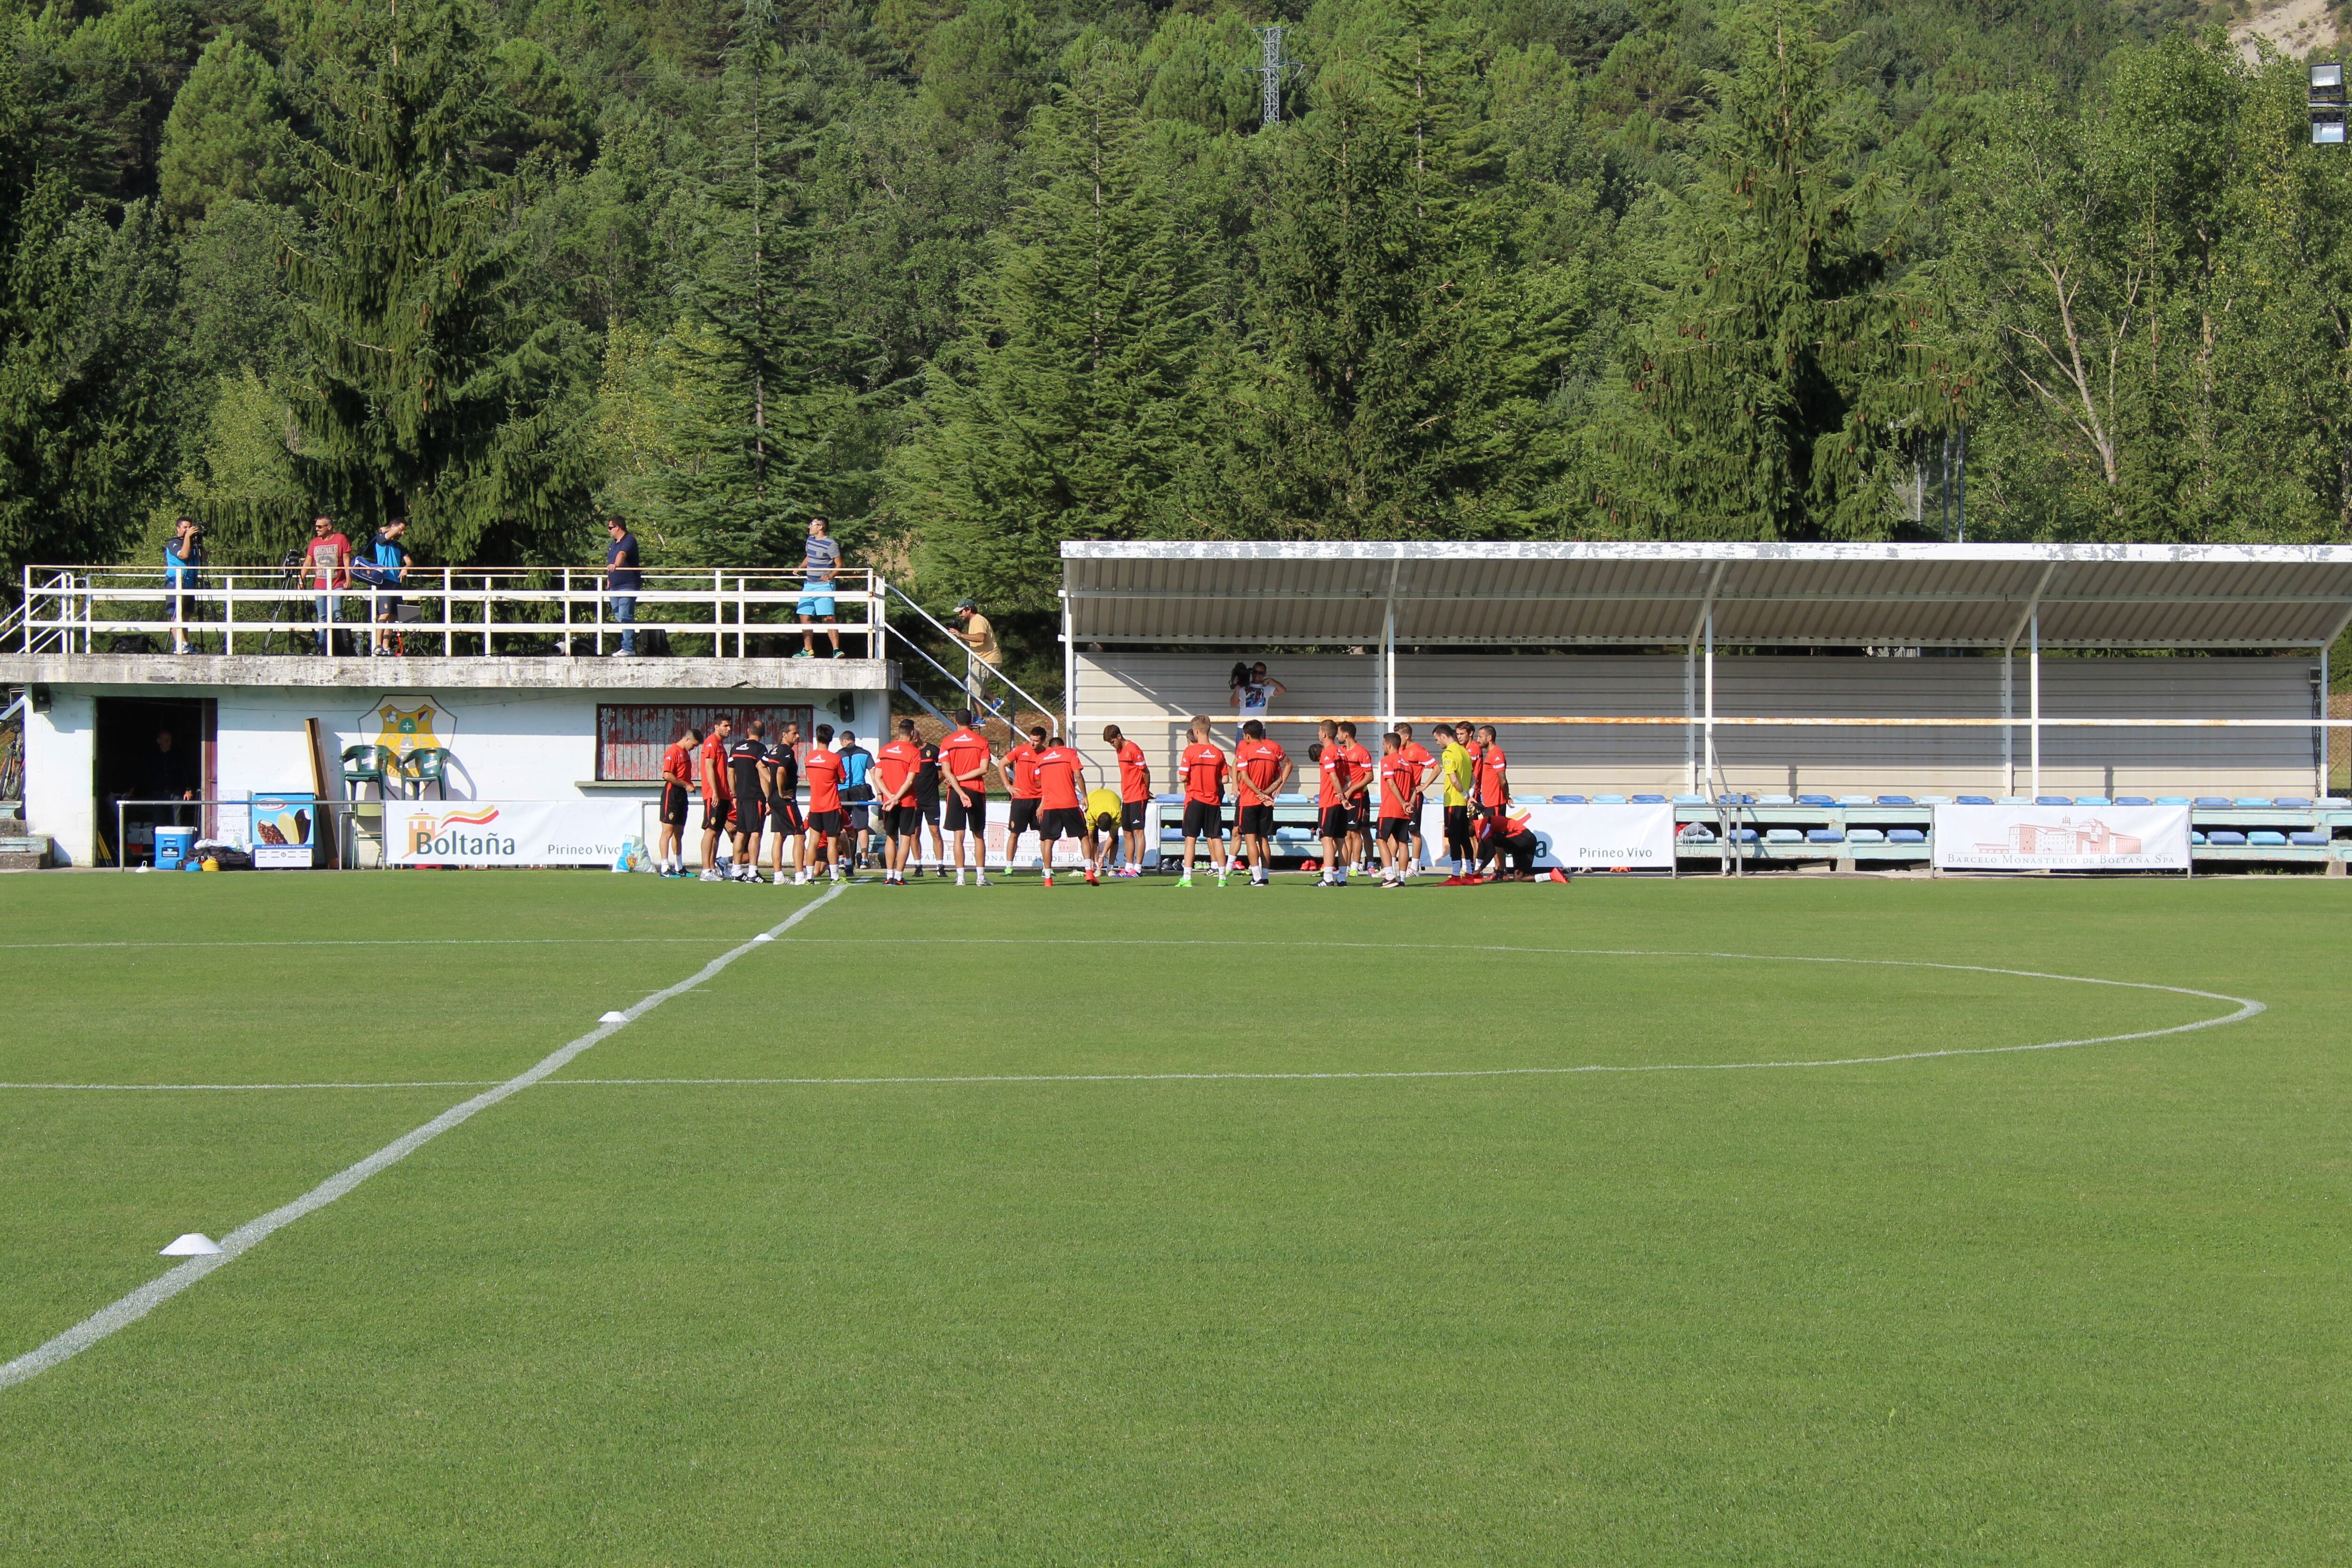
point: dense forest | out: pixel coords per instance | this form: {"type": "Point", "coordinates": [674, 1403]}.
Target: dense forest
{"type": "Point", "coordinates": [971, 276]}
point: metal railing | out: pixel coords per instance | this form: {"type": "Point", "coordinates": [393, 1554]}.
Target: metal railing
{"type": "Point", "coordinates": [974, 683]}
{"type": "Point", "coordinates": [469, 611]}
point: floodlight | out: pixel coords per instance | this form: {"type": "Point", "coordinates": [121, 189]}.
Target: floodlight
{"type": "Point", "coordinates": [2328, 83]}
{"type": "Point", "coordinates": [2327, 104]}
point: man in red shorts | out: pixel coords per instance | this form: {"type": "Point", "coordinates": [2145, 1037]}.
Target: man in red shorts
{"type": "Point", "coordinates": [717, 807]}
{"type": "Point", "coordinates": [825, 821]}
{"type": "Point", "coordinates": [895, 770]}
{"type": "Point", "coordinates": [1205, 802]}
{"type": "Point", "coordinates": [1262, 770]}
{"type": "Point", "coordinates": [677, 782]}
{"type": "Point", "coordinates": [1061, 786]}
{"type": "Point", "coordinates": [1134, 795]}
{"type": "Point", "coordinates": [963, 780]}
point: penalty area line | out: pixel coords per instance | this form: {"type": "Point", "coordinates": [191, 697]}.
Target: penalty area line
{"type": "Point", "coordinates": [130, 1308]}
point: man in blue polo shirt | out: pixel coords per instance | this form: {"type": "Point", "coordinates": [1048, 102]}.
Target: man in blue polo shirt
{"type": "Point", "coordinates": [621, 580]}
{"type": "Point", "coordinates": [820, 560]}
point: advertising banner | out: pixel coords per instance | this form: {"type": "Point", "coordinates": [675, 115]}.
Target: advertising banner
{"type": "Point", "coordinates": [2062, 838]}
{"type": "Point", "coordinates": [1586, 838]}
{"type": "Point", "coordinates": [285, 832]}
{"type": "Point", "coordinates": [510, 832]}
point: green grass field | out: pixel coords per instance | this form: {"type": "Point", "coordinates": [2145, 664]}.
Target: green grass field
{"type": "Point", "coordinates": [1057, 1282]}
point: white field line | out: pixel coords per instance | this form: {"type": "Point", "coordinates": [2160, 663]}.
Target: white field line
{"type": "Point", "coordinates": [380, 941]}
{"type": "Point", "coordinates": [156, 1291]}
{"type": "Point", "coordinates": [2246, 1008]}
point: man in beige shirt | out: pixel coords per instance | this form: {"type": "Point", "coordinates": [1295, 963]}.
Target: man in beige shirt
{"type": "Point", "coordinates": [979, 638]}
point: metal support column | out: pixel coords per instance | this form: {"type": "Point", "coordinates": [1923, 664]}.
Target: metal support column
{"type": "Point", "coordinates": [1069, 674]}
{"type": "Point", "coordinates": [1690, 717]}
{"type": "Point", "coordinates": [1713, 771]}
{"type": "Point", "coordinates": [2033, 669]}
{"type": "Point", "coordinates": [2319, 735]}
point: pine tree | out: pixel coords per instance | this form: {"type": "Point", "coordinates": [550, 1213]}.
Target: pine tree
{"type": "Point", "coordinates": [430, 396]}
{"type": "Point", "coordinates": [1072, 410]}
{"type": "Point", "coordinates": [1775, 392]}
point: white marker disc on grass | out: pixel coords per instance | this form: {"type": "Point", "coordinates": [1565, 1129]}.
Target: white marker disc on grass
{"type": "Point", "coordinates": [614, 1019]}
{"type": "Point", "coordinates": [196, 1244]}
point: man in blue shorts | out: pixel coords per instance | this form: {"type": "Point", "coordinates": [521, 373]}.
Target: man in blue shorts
{"type": "Point", "coordinates": [819, 559]}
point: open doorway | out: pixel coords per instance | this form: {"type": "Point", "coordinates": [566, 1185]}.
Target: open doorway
{"type": "Point", "coordinates": [152, 749]}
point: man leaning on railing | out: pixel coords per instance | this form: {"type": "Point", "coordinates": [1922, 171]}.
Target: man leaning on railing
{"type": "Point", "coordinates": [327, 563]}
{"type": "Point", "coordinates": [622, 583]}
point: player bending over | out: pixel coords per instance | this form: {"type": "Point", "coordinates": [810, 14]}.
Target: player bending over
{"type": "Point", "coordinates": [1204, 768]}
{"type": "Point", "coordinates": [825, 822]}
{"type": "Point", "coordinates": [1262, 770]}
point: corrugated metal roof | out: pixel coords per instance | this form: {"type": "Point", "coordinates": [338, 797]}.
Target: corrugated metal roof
{"type": "Point", "coordinates": [1948, 596]}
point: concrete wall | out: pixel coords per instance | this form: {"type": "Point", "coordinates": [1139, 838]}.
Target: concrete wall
{"type": "Point", "coordinates": [512, 745]}
{"type": "Point", "coordinates": [1150, 694]}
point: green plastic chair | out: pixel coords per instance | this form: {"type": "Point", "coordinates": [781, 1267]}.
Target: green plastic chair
{"type": "Point", "coordinates": [425, 766]}
{"type": "Point", "coordinates": [363, 765]}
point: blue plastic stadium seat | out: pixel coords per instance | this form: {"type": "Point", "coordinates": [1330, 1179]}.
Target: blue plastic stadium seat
{"type": "Point", "coordinates": [1825, 835]}
{"type": "Point", "coordinates": [2195, 837]}
{"type": "Point", "coordinates": [1169, 799]}
{"type": "Point", "coordinates": [2251, 800]}
{"type": "Point", "coordinates": [2210, 801]}
{"type": "Point", "coordinates": [1649, 800]}
{"type": "Point", "coordinates": [1690, 800]}
{"type": "Point", "coordinates": [2223, 835]}
{"type": "Point", "coordinates": [1816, 800]}
{"type": "Point", "coordinates": [2092, 800]}
{"type": "Point", "coordinates": [2133, 800]}
{"type": "Point", "coordinates": [1974, 800]}
{"type": "Point", "coordinates": [2309, 838]}
{"type": "Point", "coordinates": [1866, 836]}
{"type": "Point", "coordinates": [1935, 800]}
{"type": "Point", "coordinates": [2172, 800]}
{"type": "Point", "coordinates": [1527, 800]}
{"type": "Point", "coordinates": [2290, 800]}
{"type": "Point", "coordinates": [1857, 800]}
{"type": "Point", "coordinates": [1896, 800]}
{"type": "Point", "coordinates": [1906, 836]}
{"type": "Point", "coordinates": [1697, 830]}
{"type": "Point", "coordinates": [1293, 799]}
{"type": "Point", "coordinates": [1743, 835]}
{"type": "Point", "coordinates": [1783, 835]}
{"type": "Point", "coordinates": [2016, 800]}
{"type": "Point", "coordinates": [2266, 836]}
{"type": "Point", "coordinates": [2053, 799]}
{"type": "Point", "coordinates": [1608, 800]}
{"type": "Point", "coordinates": [1568, 800]}
{"type": "Point", "coordinates": [1777, 800]}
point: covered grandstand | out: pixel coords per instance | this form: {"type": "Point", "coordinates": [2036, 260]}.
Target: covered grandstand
{"type": "Point", "coordinates": [1802, 679]}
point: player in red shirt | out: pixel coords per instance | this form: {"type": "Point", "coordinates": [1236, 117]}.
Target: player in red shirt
{"type": "Point", "coordinates": [963, 778]}
{"type": "Point", "coordinates": [895, 771]}
{"type": "Point", "coordinates": [824, 771]}
{"type": "Point", "coordinates": [1020, 770]}
{"type": "Point", "coordinates": [1331, 805]}
{"type": "Point", "coordinates": [1061, 783]}
{"type": "Point", "coordinates": [1426, 766]}
{"type": "Point", "coordinates": [1400, 805]}
{"type": "Point", "coordinates": [718, 805]}
{"type": "Point", "coordinates": [677, 782]}
{"type": "Point", "coordinates": [1360, 775]}
{"type": "Point", "coordinates": [1494, 781]}
{"type": "Point", "coordinates": [1204, 768]}
{"type": "Point", "coordinates": [1262, 770]}
{"type": "Point", "coordinates": [1134, 795]}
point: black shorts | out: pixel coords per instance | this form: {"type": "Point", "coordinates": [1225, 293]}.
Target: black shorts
{"type": "Point", "coordinates": [673, 806]}
{"type": "Point", "coordinates": [859, 818]}
{"type": "Point", "coordinates": [751, 813]}
{"type": "Point", "coordinates": [928, 805]}
{"type": "Point", "coordinates": [1396, 829]}
{"type": "Point", "coordinates": [1359, 816]}
{"type": "Point", "coordinates": [717, 815]}
{"type": "Point", "coordinates": [826, 823]}
{"type": "Point", "coordinates": [1256, 822]}
{"type": "Point", "coordinates": [973, 818]}
{"type": "Point", "coordinates": [1457, 824]}
{"type": "Point", "coordinates": [1336, 823]}
{"type": "Point", "coordinates": [1068, 822]}
{"type": "Point", "coordinates": [1202, 820]}
{"type": "Point", "coordinates": [1131, 814]}
{"type": "Point", "coordinates": [902, 821]}
{"type": "Point", "coordinates": [1023, 818]}
{"type": "Point", "coordinates": [784, 816]}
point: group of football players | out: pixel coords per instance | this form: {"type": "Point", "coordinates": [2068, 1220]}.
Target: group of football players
{"type": "Point", "coordinates": [1368, 811]}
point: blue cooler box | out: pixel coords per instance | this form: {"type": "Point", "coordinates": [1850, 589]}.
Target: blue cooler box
{"type": "Point", "coordinates": [172, 845]}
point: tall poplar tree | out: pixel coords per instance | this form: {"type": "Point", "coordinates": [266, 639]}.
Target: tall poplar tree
{"type": "Point", "coordinates": [1786, 377]}
{"type": "Point", "coordinates": [430, 395]}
